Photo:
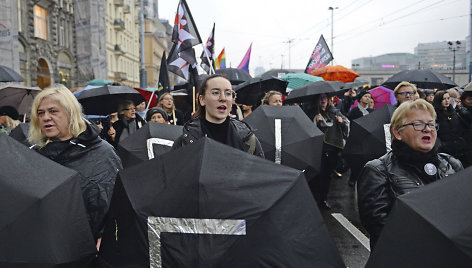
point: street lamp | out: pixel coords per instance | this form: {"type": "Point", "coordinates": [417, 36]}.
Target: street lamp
{"type": "Point", "coordinates": [454, 46]}
{"type": "Point", "coordinates": [332, 48]}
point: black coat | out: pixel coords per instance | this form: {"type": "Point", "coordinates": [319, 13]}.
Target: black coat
{"type": "Point", "coordinates": [335, 132]}
{"type": "Point", "coordinates": [240, 135]}
{"type": "Point", "coordinates": [382, 180]}
{"type": "Point", "coordinates": [356, 113]}
{"type": "Point", "coordinates": [465, 115]}
{"type": "Point", "coordinates": [451, 132]}
{"type": "Point", "coordinates": [97, 163]}
{"type": "Point", "coordinates": [120, 125]}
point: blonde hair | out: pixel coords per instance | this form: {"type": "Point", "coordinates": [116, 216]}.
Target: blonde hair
{"type": "Point", "coordinates": [403, 111]}
{"type": "Point", "coordinates": [453, 93]}
{"type": "Point", "coordinates": [11, 123]}
{"type": "Point", "coordinates": [404, 84]}
{"type": "Point", "coordinates": [68, 101]}
{"type": "Point", "coordinates": [159, 102]}
{"type": "Point", "coordinates": [266, 98]}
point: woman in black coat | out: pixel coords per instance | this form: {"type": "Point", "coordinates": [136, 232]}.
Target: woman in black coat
{"type": "Point", "coordinates": [451, 130]}
{"type": "Point", "coordinates": [127, 123]}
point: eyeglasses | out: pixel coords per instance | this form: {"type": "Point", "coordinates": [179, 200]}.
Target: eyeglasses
{"type": "Point", "coordinates": [420, 126]}
{"type": "Point", "coordinates": [227, 94]}
{"type": "Point", "coordinates": [406, 93]}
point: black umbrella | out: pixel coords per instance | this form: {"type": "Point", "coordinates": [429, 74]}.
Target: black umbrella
{"type": "Point", "coordinates": [252, 91]}
{"type": "Point", "coordinates": [236, 76]}
{"type": "Point", "coordinates": [151, 140]}
{"type": "Point", "coordinates": [7, 74]}
{"type": "Point", "coordinates": [210, 205]}
{"type": "Point", "coordinates": [429, 227]}
{"type": "Point", "coordinates": [43, 222]}
{"type": "Point", "coordinates": [368, 137]}
{"type": "Point", "coordinates": [422, 79]}
{"type": "Point", "coordinates": [277, 73]}
{"type": "Point", "coordinates": [307, 92]}
{"type": "Point", "coordinates": [105, 100]}
{"type": "Point", "coordinates": [20, 133]}
{"type": "Point", "coordinates": [295, 141]}
{"type": "Point", "coordinates": [18, 96]}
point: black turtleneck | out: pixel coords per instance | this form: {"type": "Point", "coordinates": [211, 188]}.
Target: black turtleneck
{"type": "Point", "coordinates": [218, 132]}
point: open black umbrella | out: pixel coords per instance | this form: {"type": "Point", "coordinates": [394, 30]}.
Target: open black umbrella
{"type": "Point", "coordinates": [7, 74]}
{"type": "Point", "coordinates": [18, 96]}
{"type": "Point", "coordinates": [43, 222]}
{"type": "Point", "coordinates": [429, 227]}
{"type": "Point", "coordinates": [105, 100]}
{"type": "Point", "coordinates": [277, 73]}
{"type": "Point", "coordinates": [307, 92]}
{"type": "Point", "coordinates": [210, 205]}
{"type": "Point", "coordinates": [252, 91]}
{"type": "Point", "coordinates": [288, 137]}
{"type": "Point", "coordinates": [422, 79]}
{"type": "Point", "coordinates": [151, 140]}
{"type": "Point", "coordinates": [20, 133]}
{"type": "Point", "coordinates": [369, 137]}
{"type": "Point", "coordinates": [236, 76]}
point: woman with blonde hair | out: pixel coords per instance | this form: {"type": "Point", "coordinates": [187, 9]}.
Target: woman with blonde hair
{"type": "Point", "coordinates": [8, 119]}
{"type": "Point", "coordinates": [59, 132]}
{"type": "Point", "coordinates": [166, 102]}
{"type": "Point", "coordinates": [413, 162]}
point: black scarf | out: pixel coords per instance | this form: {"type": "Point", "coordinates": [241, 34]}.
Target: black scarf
{"type": "Point", "coordinates": [416, 160]}
{"type": "Point", "coordinates": [218, 132]}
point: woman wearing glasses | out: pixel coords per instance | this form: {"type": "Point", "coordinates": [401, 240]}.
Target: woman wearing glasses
{"type": "Point", "coordinates": [215, 97]}
{"type": "Point", "coordinates": [127, 124]}
{"type": "Point", "coordinates": [175, 116]}
{"type": "Point", "coordinates": [413, 162]}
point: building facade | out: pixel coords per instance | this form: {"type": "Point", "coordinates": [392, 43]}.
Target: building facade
{"type": "Point", "coordinates": [438, 55]}
{"type": "Point", "coordinates": [9, 34]}
{"type": "Point", "coordinates": [46, 44]}
{"type": "Point", "coordinates": [122, 41]}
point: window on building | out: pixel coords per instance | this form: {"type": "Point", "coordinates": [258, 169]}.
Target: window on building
{"type": "Point", "coordinates": [20, 28]}
{"type": "Point", "coordinates": [61, 36]}
{"type": "Point", "coordinates": [40, 22]}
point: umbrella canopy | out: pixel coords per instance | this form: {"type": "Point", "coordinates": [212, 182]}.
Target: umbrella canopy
{"type": "Point", "coordinates": [151, 140]}
{"type": "Point", "coordinates": [336, 73]}
{"type": "Point", "coordinates": [236, 76]}
{"type": "Point", "coordinates": [369, 136]}
{"type": "Point", "coordinates": [98, 82]}
{"type": "Point", "coordinates": [18, 96]}
{"type": "Point", "coordinates": [429, 227]}
{"type": "Point", "coordinates": [7, 74]}
{"type": "Point", "coordinates": [355, 84]}
{"type": "Point", "coordinates": [253, 90]}
{"type": "Point", "coordinates": [221, 208]}
{"type": "Point", "coordinates": [43, 222]}
{"type": "Point", "coordinates": [20, 133]}
{"type": "Point", "coordinates": [277, 73]}
{"type": "Point", "coordinates": [422, 79]}
{"type": "Point", "coordinates": [296, 80]}
{"type": "Point", "coordinates": [308, 92]}
{"type": "Point", "coordinates": [293, 141]}
{"type": "Point", "coordinates": [382, 96]}
{"type": "Point", "coordinates": [105, 100]}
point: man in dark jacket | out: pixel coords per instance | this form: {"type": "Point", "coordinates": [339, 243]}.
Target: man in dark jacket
{"type": "Point", "coordinates": [465, 115]}
{"type": "Point", "coordinates": [413, 162]}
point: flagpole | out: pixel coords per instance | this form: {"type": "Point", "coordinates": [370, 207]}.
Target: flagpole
{"type": "Point", "coordinates": [173, 115]}
{"type": "Point", "coordinates": [209, 60]}
{"type": "Point", "coordinates": [152, 95]}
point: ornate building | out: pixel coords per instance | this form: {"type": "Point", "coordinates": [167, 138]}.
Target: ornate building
{"type": "Point", "coordinates": [46, 36]}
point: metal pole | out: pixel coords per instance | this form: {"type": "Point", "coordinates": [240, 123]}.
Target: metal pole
{"type": "Point", "coordinates": [332, 30]}
{"type": "Point", "coordinates": [454, 65]}
{"type": "Point", "coordinates": [142, 71]}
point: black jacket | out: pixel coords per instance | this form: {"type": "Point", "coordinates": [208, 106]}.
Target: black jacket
{"type": "Point", "coordinates": [382, 180]}
{"type": "Point", "coordinates": [335, 132]}
{"type": "Point", "coordinates": [451, 132]}
{"type": "Point", "coordinates": [97, 163]}
{"type": "Point", "coordinates": [120, 125]}
{"type": "Point", "coordinates": [356, 113]}
{"type": "Point", "coordinates": [240, 136]}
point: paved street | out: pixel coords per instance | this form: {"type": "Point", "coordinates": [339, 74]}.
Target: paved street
{"type": "Point", "coordinates": [344, 224]}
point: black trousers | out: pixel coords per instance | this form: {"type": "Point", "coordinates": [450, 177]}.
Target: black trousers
{"type": "Point", "coordinates": [320, 184]}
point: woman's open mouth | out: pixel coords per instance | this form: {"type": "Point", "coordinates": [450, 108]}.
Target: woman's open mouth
{"type": "Point", "coordinates": [221, 109]}
{"type": "Point", "coordinates": [426, 139]}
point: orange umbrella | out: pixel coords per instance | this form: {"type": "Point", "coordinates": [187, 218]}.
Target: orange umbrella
{"type": "Point", "coordinates": [335, 73]}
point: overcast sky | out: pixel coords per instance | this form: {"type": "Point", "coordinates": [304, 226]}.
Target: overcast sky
{"type": "Point", "coordinates": [362, 28]}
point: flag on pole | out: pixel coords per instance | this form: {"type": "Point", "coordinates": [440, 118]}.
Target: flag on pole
{"type": "Point", "coordinates": [181, 62]}
{"type": "Point", "coordinates": [320, 57]}
{"type": "Point", "coordinates": [244, 65]}
{"type": "Point", "coordinates": [221, 60]}
{"type": "Point", "coordinates": [163, 85]}
{"type": "Point", "coordinates": [185, 33]}
{"type": "Point", "coordinates": [210, 51]}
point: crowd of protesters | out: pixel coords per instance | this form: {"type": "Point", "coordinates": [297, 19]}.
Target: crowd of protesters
{"type": "Point", "coordinates": [431, 139]}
